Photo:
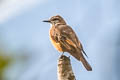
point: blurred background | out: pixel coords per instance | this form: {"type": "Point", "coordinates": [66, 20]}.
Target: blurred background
{"type": "Point", "coordinates": [27, 54]}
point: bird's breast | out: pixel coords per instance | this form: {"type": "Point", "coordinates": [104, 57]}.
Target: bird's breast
{"type": "Point", "coordinates": [57, 45]}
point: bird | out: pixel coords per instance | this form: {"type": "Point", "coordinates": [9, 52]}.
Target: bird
{"type": "Point", "coordinates": [64, 39]}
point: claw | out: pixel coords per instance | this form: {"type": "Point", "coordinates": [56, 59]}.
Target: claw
{"type": "Point", "coordinates": [63, 53]}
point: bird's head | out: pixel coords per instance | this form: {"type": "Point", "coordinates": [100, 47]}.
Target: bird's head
{"type": "Point", "coordinates": [54, 20]}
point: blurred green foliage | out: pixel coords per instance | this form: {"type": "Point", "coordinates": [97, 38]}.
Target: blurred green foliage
{"type": "Point", "coordinates": [4, 62]}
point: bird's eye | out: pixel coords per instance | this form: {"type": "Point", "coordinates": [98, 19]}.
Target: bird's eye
{"type": "Point", "coordinates": [55, 19]}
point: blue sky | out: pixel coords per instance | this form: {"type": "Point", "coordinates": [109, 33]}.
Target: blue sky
{"type": "Point", "coordinates": [96, 22]}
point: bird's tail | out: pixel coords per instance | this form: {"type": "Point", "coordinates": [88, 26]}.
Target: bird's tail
{"type": "Point", "coordinates": [85, 63]}
{"type": "Point", "coordinates": [80, 57]}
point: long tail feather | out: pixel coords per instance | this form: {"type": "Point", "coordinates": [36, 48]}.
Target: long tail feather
{"type": "Point", "coordinates": [80, 57]}
{"type": "Point", "coordinates": [86, 64]}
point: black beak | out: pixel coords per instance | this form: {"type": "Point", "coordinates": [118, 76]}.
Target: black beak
{"type": "Point", "coordinates": [47, 21]}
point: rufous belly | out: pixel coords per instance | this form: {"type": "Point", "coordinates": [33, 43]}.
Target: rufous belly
{"type": "Point", "coordinates": [55, 44]}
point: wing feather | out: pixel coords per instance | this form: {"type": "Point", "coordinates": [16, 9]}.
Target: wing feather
{"type": "Point", "coordinates": [68, 38]}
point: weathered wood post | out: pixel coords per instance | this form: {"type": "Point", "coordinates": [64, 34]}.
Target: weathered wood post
{"type": "Point", "coordinates": [64, 69]}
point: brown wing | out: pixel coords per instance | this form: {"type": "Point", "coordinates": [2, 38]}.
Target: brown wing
{"type": "Point", "coordinates": [72, 39]}
{"type": "Point", "coordinates": [67, 37]}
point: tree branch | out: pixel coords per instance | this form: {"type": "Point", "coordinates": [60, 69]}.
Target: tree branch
{"type": "Point", "coordinates": [64, 69]}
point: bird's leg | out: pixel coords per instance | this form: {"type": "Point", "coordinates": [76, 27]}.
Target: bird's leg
{"type": "Point", "coordinates": [69, 57]}
{"type": "Point", "coordinates": [63, 53]}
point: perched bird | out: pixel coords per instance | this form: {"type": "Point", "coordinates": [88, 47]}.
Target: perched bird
{"type": "Point", "coordinates": [64, 39]}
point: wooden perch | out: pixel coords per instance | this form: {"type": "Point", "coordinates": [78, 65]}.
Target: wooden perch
{"type": "Point", "coordinates": [64, 69]}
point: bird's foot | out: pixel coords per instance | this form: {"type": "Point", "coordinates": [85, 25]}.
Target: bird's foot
{"type": "Point", "coordinates": [62, 54]}
{"type": "Point", "coordinates": [69, 57]}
